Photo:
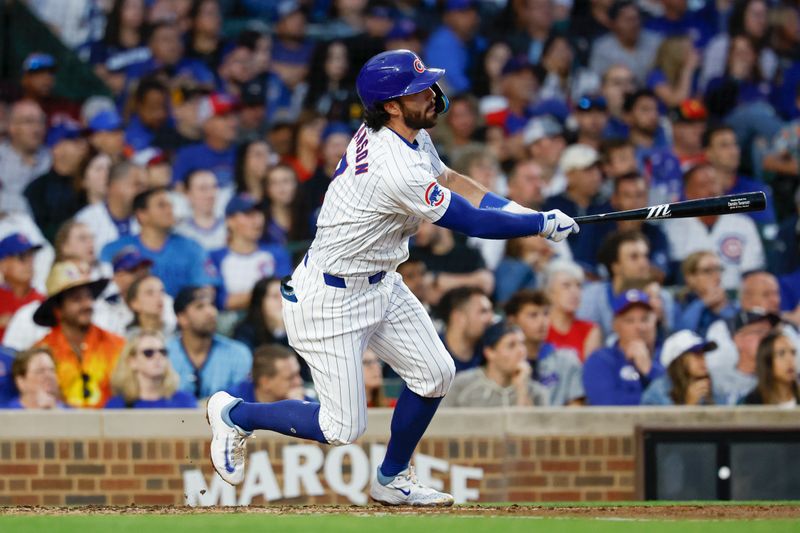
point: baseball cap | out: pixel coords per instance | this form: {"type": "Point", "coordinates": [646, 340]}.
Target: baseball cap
{"type": "Point", "coordinates": [689, 110]}
{"type": "Point", "coordinates": [335, 127]}
{"type": "Point", "coordinates": [745, 318]}
{"type": "Point", "coordinates": [253, 93]}
{"type": "Point", "coordinates": [38, 61]}
{"type": "Point", "coordinates": [16, 244]}
{"type": "Point", "coordinates": [458, 5]}
{"type": "Point", "coordinates": [148, 157]}
{"type": "Point", "coordinates": [129, 259]}
{"type": "Point", "coordinates": [497, 331]}
{"type": "Point", "coordinates": [515, 64]}
{"type": "Point", "coordinates": [578, 157]}
{"type": "Point", "coordinates": [216, 105]}
{"type": "Point", "coordinates": [681, 342]}
{"type": "Point", "coordinates": [402, 29]}
{"type": "Point", "coordinates": [63, 130]}
{"type": "Point", "coordinates": [540, 127]}
{"type": "Point", "coordinates": [628, 299]}
{"type": "Point", "coordinates": [591, 103]}
{"type": "Point", "coordinates": [241, 203]}
{"type": "Point", "coordinates": [190, 294]}
{"type": "Point", "coordinates": [106, 120]}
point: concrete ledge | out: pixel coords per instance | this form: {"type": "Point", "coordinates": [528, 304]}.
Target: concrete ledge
{"type": "Point", "coordinates": [188, 424]}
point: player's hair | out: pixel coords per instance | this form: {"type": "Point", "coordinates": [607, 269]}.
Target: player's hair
{"type": "Point", "coordinates": [765, 359]}
{"type": "Point", "coordinates": [123, 380]}
{"type": "Point", "coordinates": [708, 135]}
{"type": "Point", "coordinates": [142, 200]}
{"type": "Point", "coordinates": [19, 368]}
{"type": "Point", "coordinates": [609, 250]}
{"type": "Point", "coordinates": [456, 299]}
{"type": "Point", "coordinates": [265, 357]}
{"type": "Point", "coordinates": [525, 297]}
{"type": "Point", "coordinates": [376, 117]}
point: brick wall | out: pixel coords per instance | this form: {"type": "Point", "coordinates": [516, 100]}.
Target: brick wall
{"type": "Point", "coordinates": [149, 472]}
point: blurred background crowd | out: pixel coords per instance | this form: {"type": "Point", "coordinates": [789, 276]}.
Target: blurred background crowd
{"type": "Point", "coordinates": [145, 226]}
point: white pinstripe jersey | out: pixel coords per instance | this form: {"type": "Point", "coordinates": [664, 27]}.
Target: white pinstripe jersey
{"type": "Point", "coordinates": [380, 193]}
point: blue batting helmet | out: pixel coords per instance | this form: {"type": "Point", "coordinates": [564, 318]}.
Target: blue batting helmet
{"type": "Point", "coordinates": [398, 73]}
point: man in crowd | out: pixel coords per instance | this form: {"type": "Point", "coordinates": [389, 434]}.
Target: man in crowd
{"type": "Point", "coordinates": [150, 116]}
{"type": "Point", "coordinates": [244, 261]}
{"type": "Point", "coordinates": [203, 224]}
{"type": "Point", "coordinates": [544, 141]}
{"type": "Point", "coordinates": [452, 47]}
{"type": "Point", "coordinates": [178, 261]}
{"type": "Point", "coordinates": [526, 184]}
{"type": "Point", "coordinates": [591, 115]}
{"type": "Point", "coordinates": [23, 156]}
{"type": "Point", "coordinates": [417, 279]}
{"type": "Point", "coordinates": [733, 237]}
{"type": "Point", "coordinates": [688, 125]}
{"type": "Point", "coordinates": [16, 267]}
{"type": "Point", "coordinates": [581, 166]}
{"type": "Point", "coordinates": [205, 361]}
{"type": "Point", "coordinates": [558, 371]}
{"type": "Point", "coordinates": [275, 376]}
{"type": "Point", "coordinates": [617, 375]}
{"type": "Point", "coordinates": [467, 312]}
{"type": "Point", "coordinates": [107, 134]}
{"type": "Point", "coordinates": [114, 218]}
{"type": "Point", "coordinates": [85, 355]}
{"type": "Point", "coordinates": [504, 380]}
{"type": "Point", "coordinates": [38, 83]}
{"type": "Point", "coordinates": [334, 141]}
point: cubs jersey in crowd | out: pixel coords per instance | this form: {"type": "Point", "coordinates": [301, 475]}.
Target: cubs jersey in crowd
{"type": "Point", "coordinates": [383, 187]}
{"type": "Point", "coordinates": [240, 272]}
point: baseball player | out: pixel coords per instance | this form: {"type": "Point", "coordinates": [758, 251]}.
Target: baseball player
{"type": "Point", "coordinates": [345, 295]}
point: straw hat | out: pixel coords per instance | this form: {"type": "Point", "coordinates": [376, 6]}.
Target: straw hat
{"type": "Point", "coordinates": [63, 277]}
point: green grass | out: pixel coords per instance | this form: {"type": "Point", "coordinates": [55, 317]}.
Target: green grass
{"type": "Point", "coordinates": [383, 523]}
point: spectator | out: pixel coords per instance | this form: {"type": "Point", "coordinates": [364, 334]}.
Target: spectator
{"type": "Point", "coordinates": [453, 44]}
{"type": "Point", "coordinates": [205, 361]}
{"type": "Point", "coordinates": [252, 117]}
{"type": "Point", "coordinates": [563, 282]}
{"type": "Point", "coordinates": [38, 84]}
{"type": "Point", "coordinates": [452, 263]}
{"type": "Point", "coordinates": [544, 142]}
{"type": "Point", "coordinates": [505, 378]}
{"type": "Point", "coordinates": [23, 156]}
{"type": "Point", "coordinates": [673, 76]}
{"type": "Point", "coordinates": [563, 80]}
{"type": "Point", "coordinates": [642, 119]}
{"type": "Point", "coordinates": [703, 300]}
{"type": "Point", "coordinates": [688, 121]}
{"type": "Point", "coordinates": [93, 174]}
{"type": "Point", "coordinates": [616, 82]}
{"type": "Point", "coordinates": [776, 369]}
{"type": "Point", "coordinates": [625, 257]}
{"type": "Point", "coordinates": [306, 141]}
{"type": "Point", "coordinates": [16, 267]}
{"type": "Point", "coordinates": [783, 158]}
{"type": "Point", "coordinates": [749, 329]}
{"type": "Point", "coordinates": [687, 381]}
{"type": "Point", "coordinates": [335, 140]}
{"type": "Point", "coordinates": [524, 260]}
{"type": "Point", "coordinates": [113, 218]}
{"type": "Point", "coordinates": [373, 380]}
{"type": "Point", "coordinates": [627, 44]}
{"type": "Point", "coordinates": [124, 30]}
{"type": "Point", "coordinates": [591, 116]}
{"type": "Point", "coordinates": [417, 279]}
{"type": "Point", "coordinates": [519, 85]}
{"type": "Point", "coordinates": [526, 184]}
{"type": "Point", "coordinates": [7, 388]}
{"type": "Point", "coordinates": [676, 19]}
{"type": "Point", "coordinates": [203, 225]}
{"type": "Point", "coordinates": [107, 134]}
{"type": "Point", "coordinates": [467, 313]}
{"type": "Point", "coordinates": [150, 118]}
{"type": "Point", "coordinates": [244, 261]}
{"type": "Point", "coordinates": [263, 323]}
{"type": "Point", "coordinates": [557, 370]}
{"type": "Point", "coordinates": [253, 161]}
{"type": "Point", "coordinates": [147, 301]}
{"type": "Point", "coordinates": [74, 241]}
{"type": "Point", "coordinates": [54, 197]}
{"type": "Point", "coordinates": [185, 106]}
{"type": "Point", "coordinates": [178, 261]}
{"type": "Point", "coordinates": [617, 375]}
{"type": "Point", "coordinates": [734, 237]}
{"type": "Point", "coordinates": [85, 355]}
{"type": "Point", "coordinates": [630, 192]}
{"type": "Point", "coordinates": [331, 91]}
{"type": "Point", "coordinates": [618, 158]}
{"type": "Point", "coordinates": [287, 214]}
{"type": "Point", "coordinates": [35, 377]}
{"type": "Point", "coordinates": [723, 153]}
{"type": "Point", "coordinates": [534, 20]}
{"type": "Point", "coordinates": [275, 376]}
{"type": "Point", "coordinates": [462, 121]}
{"type": "Point", "coordinates": [217, 116]}
{"type": "Point", "coordinates": [144, 378]}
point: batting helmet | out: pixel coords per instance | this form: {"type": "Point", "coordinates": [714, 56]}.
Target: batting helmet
{"type": "Point", "coordinates": [398, 73]}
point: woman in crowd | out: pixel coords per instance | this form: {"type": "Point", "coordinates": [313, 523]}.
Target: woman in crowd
{"type": "Point", "coordinates": [253, 161]}
{"type": "Point", "coordinates": [687, 381]}
{"type": "Point", "coordinates": [287, 214]}
{"type": "Point", "coordinates": [776, 368]}
{"type": "Point", "coordinates": [330, 91]}
{"type": "Point", "coordinates": [34, 373]}
{"type": "Point", "coordinates": [144, 377]}
{"type": "Point", "coordinates": [373, 380]}
{"type": "Point", "coordinates": [124, 30]}
{"type": "Point", "coordinates": [703, 300]}
{"type": "Point", "coordinates": [488, 80]}
{"type": "Point", "coordinates": [673, 76]}
{"type": "Point", "coordinates": [75, 241]}
{"type": "Point", "coordinates": [563, 80]}
{"type": "Point", "coordinates": [145, 298]}
{"type": "Point", "coordinates": [562, 284]}
{"type": "Point", "coordinates": [94, 177]}
{"type": "Point", "coordinates": [304, 156]}
{"type": "Point", "coordinates": [263, 323]}
{"type": "Point", "coordinates": [742, 82]}
{"type": "Point", "coordinates": [205, 37]}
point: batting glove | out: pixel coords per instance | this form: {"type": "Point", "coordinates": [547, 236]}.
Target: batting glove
{"type": "Point", "coordinates": [558, 226]}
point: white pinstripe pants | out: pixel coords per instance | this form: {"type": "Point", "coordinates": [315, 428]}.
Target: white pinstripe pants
{"type": "Point", "coordinates": [330, 327]}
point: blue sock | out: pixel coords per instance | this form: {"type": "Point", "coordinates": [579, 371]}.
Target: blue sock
{"type": "Point", "coordinates": [295, 418]}
{"type": "Point", "coordinates": [411, 417]}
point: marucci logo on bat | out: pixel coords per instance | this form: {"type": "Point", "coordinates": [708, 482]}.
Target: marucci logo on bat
{"type": "Point", "coordinates": [659, 211]}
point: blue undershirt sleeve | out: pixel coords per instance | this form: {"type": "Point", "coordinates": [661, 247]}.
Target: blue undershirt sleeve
{"type": "Point", "coordinates": [461, 216]}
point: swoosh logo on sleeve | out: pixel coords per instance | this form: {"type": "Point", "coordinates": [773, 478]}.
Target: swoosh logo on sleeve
{"type": "Point", "coordinates": [228, 466]}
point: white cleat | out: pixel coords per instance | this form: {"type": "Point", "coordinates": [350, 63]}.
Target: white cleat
{"type": "Point", "coordinates": [228, 442]}
{"type": "Point", "coordinates": [406, 490]}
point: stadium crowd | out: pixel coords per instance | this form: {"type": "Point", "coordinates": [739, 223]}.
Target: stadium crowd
{"type": "Point", "coordinates": [144, 233]}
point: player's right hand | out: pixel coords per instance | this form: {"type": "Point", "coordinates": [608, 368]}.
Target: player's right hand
{"type": "Point", "coordinates": [558, 226]}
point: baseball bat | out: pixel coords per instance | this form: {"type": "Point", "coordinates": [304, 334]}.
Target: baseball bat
{"type": "Point", "coordinates": [719, 205]}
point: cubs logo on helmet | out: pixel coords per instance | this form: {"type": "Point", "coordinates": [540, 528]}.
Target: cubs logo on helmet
{"type": "Point", "coordinates": [419, 66]}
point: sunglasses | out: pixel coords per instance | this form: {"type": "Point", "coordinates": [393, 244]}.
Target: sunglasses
{"type": "Point", "coordinates": [150, 352]}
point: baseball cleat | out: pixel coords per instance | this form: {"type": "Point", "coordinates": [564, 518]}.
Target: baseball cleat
{"type": "Point", "coordinates": [405, 489]}
{"type": "Point", "coordinates": [228, 442]}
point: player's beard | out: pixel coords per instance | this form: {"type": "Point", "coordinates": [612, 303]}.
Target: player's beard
{"type": "Point", "coordinates": [419, 120]}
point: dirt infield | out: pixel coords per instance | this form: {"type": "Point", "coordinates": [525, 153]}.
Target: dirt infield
{"type": "Point", "coordinates": [673, 512]}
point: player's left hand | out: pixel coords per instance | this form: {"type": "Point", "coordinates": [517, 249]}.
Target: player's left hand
{"type": "Point", "coordinates": [558, 226]}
